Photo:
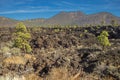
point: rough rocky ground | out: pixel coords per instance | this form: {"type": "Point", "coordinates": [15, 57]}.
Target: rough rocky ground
{"type": "Point", "coordinates": [58, 49]}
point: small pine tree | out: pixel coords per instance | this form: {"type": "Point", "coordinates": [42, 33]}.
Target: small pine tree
{"type": "Point", "coordinates": [21, 38]}
{"type": "Point", "coordinates": [114, 23]}
{"type": "Point", "coordinates": [103, 39]}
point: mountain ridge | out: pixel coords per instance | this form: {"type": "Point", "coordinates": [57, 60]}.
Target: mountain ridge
{"type": "Point", "coordinates": [65, 18]}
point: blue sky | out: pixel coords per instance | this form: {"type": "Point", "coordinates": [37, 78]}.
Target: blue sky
{"type": "Point", "coordinates": [28, 9]}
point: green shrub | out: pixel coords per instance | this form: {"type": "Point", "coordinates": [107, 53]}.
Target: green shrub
{"type": "Point", "coordinates": [85, 31]}
{"type": "Point", "coordinates": [56, 30]}
{"type": "Point", "coordinates": [21, 38]}
{"type": "Point", "coordinates": [21, 27]}
{"type": "Point", "coordinates": [103, 39]}
{"type": "Point", "coordinates": [81, 35]}
{"type": "Point", "coordinates": [114, 23]}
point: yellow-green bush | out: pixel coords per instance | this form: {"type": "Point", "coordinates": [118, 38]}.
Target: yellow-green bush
{"type": "Point", "coordinates": [103, 39]}
{"type": "Point", "coordinates": [21, 38]}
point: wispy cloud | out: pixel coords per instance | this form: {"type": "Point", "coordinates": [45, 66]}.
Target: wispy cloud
{"type": "Point", "coordinates": [55, 6]}
{"type": "Point", "coordinates": [71, 5]}
{"type": "Point", "coordinates": [39, 7]}
{"type": "Point", "coordinates": [64, 4]}
{"type": "Point", "coordinates": [23, 11]}
{"type": "Point", "coordinates": [68, 3]}
{"type": "Point", "coordinates": [34, 11]}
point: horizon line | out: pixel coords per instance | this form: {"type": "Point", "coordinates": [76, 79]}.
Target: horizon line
{"type": "Point", "coordinates": [56, 14]}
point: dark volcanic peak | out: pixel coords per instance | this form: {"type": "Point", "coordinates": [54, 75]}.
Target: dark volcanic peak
{"type": "Point", "coordinates": [66, 18]}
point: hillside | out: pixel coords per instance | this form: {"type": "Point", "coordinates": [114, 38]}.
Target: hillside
{"type": "Point", "coordinates": [7, 22]}
{"type": "Point", "coordinates": [66, 18]}
{"type": "Point", "coordinates": [97, 18]}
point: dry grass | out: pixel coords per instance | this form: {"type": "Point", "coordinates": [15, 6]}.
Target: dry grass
{"type": "Point", "coordinates": [18, 59]}
{"type": "Point", "coordinates": [59, 74]}
{"type": "Point", "coordinates": [63, 74]}
{"type": "Point", "coordinates": [29, 57]}
{"type": "Point", "coordinates": [15, 60]}
{"type": "Point", "coordinates": [11, 77]}
{"type": "Point", "coordinates": [108, 78]}
{"type": "Point", "coordinates": [32, 77]}
{"type": "Point", "coordinates": [56, 74]}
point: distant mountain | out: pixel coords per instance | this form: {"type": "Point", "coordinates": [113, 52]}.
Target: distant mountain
{"type": "Point", "coordinates": [79, 18]}
{"type": "Point", "coordinates": [98, 18]}
{"type": "Point", "coordinates": [66, 18]}
{"type": "Point", "coordinates": [5, 22]}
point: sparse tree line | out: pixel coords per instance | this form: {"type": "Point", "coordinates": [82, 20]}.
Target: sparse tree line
{"type": "Point", "coordinates": [22, 36]}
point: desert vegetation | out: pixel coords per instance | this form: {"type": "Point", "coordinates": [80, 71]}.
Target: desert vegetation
{"type": "Point", "coordinates": [58, 52]}
{"type": "Point", "coordinates": [21, 37]}
{"type": "Point", "coordinates": [103, 39]}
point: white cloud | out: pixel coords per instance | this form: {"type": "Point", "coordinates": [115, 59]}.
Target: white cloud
{"type": "Point", "coordinates": [39, 7]}
{"type": "Point", "coordinates": [68, 3]}
{"type": "Point", "coordinates": [34, 11]}
{"type": "Point", "coordinates": [64, 4]}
